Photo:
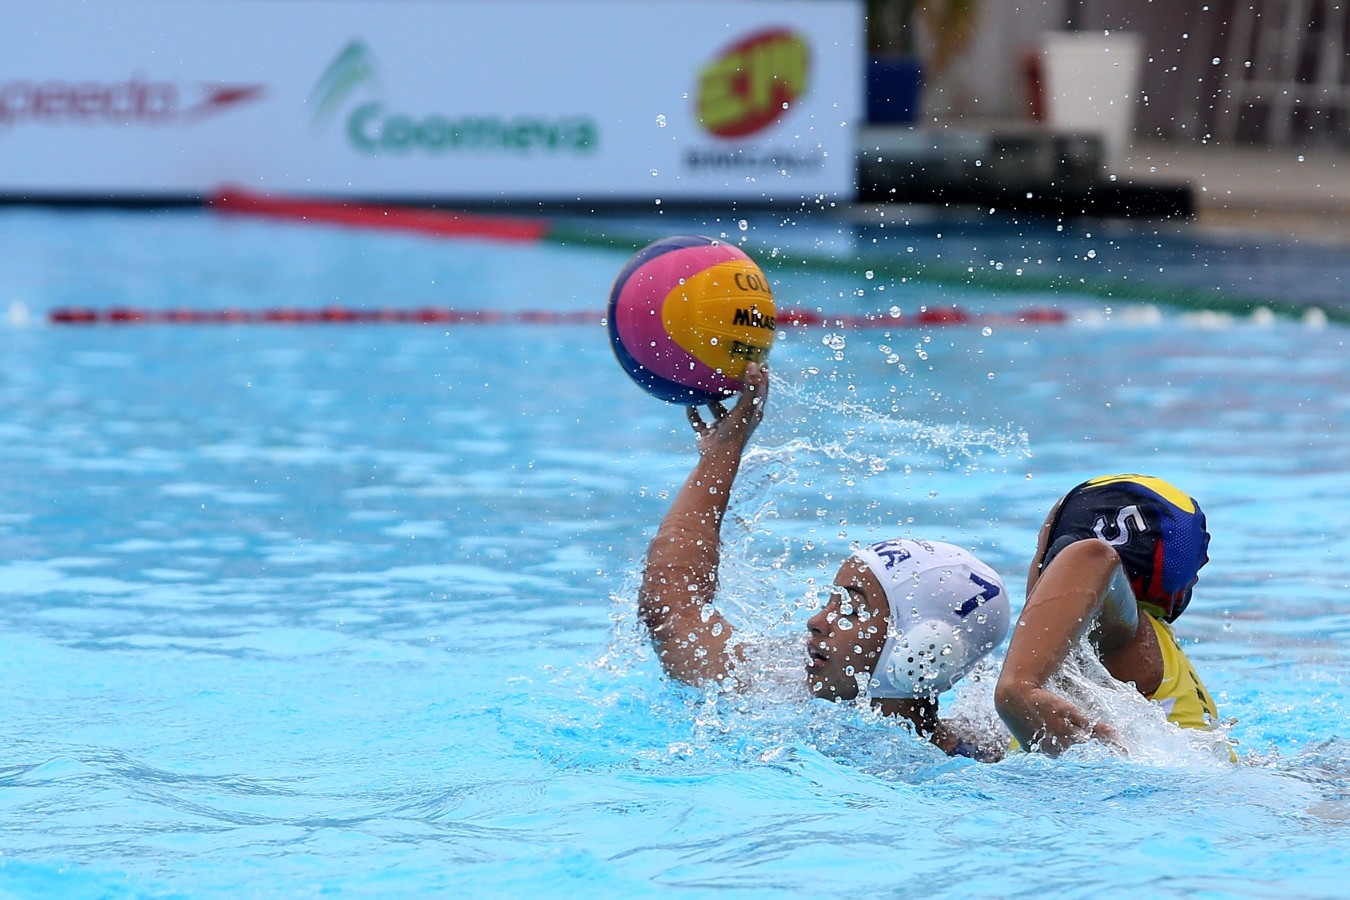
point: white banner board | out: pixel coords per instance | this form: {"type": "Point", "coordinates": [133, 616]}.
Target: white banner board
{"type": "Point", "coordinates": [550, 100]}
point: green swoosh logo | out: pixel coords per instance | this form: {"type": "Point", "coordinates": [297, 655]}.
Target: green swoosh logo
{"type": "Point", "coordinates": [349, 70]}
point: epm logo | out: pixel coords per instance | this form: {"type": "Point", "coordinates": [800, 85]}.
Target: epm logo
{"type": "Point", "coordinates": [351, 83]}
{"type": "Point", "coordinates": [749, 87]}
{"type": "Point", "coordinates": [753, 83]}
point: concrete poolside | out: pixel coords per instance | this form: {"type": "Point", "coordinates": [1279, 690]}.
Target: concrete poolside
{"type": "Point", "coordinates": [1274, 191]}
{"type": "Point", "coordinates": [1020, 165]}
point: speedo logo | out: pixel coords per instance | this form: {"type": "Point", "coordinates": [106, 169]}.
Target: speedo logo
{"type": "Point", "coordinates": [753, 318]}
{"type": "Point", "coordinates": [136, 101]}
{"type": "Point", "coordinates": [753, 83]}
{"type": "Point", "coordinates": [350, 85]}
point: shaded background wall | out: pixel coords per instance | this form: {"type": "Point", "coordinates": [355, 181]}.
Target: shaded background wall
{"type": "Point", "coordinates": [1250, 71]}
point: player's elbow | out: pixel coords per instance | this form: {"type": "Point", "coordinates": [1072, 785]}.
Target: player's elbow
{"type": "Point", "coordinates": [1012, 696]}
{"type": "Point", "coordinates": [653, 610]}
{"type": "Point", "coordinates": [685, 657]}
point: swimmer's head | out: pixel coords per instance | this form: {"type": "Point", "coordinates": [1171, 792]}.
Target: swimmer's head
{"type": "Point", "coordinates": [912, 618]}
{"type": "Point", "coordinates": [948, 610]}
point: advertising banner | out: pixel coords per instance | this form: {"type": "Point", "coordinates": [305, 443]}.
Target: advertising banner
{"type": "Point", "coordinates": [548, 100]}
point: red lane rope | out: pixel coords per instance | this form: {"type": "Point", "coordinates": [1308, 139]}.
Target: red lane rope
{"type": "Point", "coordinates": [433, 315]}
{"type": "Point", "coordinates": [442, 223]}
{"type": "Point", "coordinates": [124, 315]}
{"type": "Point", "coordinates": [950, 315]}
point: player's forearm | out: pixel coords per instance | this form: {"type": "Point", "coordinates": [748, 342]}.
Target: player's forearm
{"type": "Point", "coordinates": [1043, 720]}
{"type": "Point", "coordinates": [702, 500]}
{"type": "Point", "coordinates": [682, 561]}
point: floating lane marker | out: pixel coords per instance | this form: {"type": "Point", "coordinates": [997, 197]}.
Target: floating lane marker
{"type": "Point", "coordinates": [948, 315]}
{"type": "Point", "coordinates": [439, 223]}
{"type": "Point", "coordinates": [796, 318]}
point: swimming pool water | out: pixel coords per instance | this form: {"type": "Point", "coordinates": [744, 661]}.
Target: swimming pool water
{"type": "Point", "coordinates": [347, 610]}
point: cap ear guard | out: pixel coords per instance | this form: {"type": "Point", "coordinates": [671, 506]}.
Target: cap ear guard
{"type": "Point", "coordinates": [923, 662]}
{"type": "Point", "coordinates": [948, 610]}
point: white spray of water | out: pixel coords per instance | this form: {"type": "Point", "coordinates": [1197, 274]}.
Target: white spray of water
{"type": "Point", "coordinates": [1145, 733]}
{"type": "Point", "coordinates": [18, 315]}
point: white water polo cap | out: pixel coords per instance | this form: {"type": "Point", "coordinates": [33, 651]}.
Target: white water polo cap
{"type": "Point", "coordinates": [948, 611]}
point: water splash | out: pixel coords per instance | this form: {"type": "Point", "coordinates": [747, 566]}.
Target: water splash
{"type": "Point", "coordinates": [1146, 735]}
{"type": "Point", "coordinates": [842, 429]}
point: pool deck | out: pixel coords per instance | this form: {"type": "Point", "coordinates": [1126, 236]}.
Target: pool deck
{"type": "Point", "coordinates": [1302, 193]}
{"type": "Point", "coordinates": [1021, 165]}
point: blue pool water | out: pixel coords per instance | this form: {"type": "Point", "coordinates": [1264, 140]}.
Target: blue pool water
{"type": "Point", "coordinates": [348, 610]}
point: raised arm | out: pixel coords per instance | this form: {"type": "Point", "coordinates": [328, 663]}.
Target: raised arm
{"type": "Point", "coordinates": [692, 640]}
{"type": "Point", "coordinates": [1073, 596]}
{"type": "Point", "coordinates": [1042, 545]}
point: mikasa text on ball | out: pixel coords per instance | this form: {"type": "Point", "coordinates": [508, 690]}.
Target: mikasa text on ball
{"type": "Point", "coordinates": [686, 315]}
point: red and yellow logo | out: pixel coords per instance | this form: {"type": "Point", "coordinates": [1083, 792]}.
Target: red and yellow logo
{"type": "Point", "coordinates": [753, 83]}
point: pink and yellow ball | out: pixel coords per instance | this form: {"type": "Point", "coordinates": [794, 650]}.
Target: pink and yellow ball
{"type": "Point", "coordinates": [686, 315]}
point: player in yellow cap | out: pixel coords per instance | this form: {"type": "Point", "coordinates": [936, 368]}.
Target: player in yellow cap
{"type": "Point", "coordinates": [1116, 560]}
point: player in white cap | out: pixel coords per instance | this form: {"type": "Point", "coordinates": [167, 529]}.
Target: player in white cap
{"type": "Point", "coordinates": [906, 618]}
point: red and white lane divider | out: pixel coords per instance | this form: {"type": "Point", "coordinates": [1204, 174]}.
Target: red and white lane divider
{"type": "Point", "coordinates": [127, 315]}
{"type": "Point", "coordinates": [948, 315]}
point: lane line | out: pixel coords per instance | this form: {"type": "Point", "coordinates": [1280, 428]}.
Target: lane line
{"type": "Point", "coordinates": [426, 315]}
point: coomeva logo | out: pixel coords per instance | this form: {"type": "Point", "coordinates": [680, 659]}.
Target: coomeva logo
{"type": "Point", "coordinates": [135, 101]}
{"type": "Point", "coordinates": [350, 70]}
{"type": "Point", "coordinates": [752, 83]}
{"type": "Point", "coordinates": [351, 83]}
